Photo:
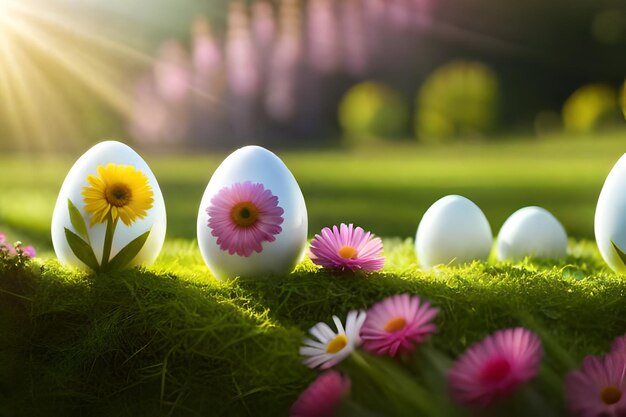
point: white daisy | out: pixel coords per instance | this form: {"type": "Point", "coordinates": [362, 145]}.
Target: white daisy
{"type": "Point", "coordinates": [330, 348]}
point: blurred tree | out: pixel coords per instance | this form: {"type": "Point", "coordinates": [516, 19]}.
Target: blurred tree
{"type": "Point", "coordinates": [590, 107]}
{"type": "Point", "coordinates": [372, 110]}
{"type": "Point", "coordinates": [458, 99]}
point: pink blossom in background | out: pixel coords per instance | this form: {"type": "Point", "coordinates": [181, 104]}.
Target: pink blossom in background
{"type": "Point", "coordinates": [354, 37]}
{"type": "Point", "coordinates": [153, 121]}
{"type": "Point", "coordinates": [280, 100]}
{"type": "Point", "coordinates": [323, 36]}
{"type": "Point", "coordinates": [495, 367]}
{"type": "Point", "coordinates": [206, 51]}
{"type": "Point", "coordinates": [3, 238]}
{"type": "Point", "coordinates": [281, 96]}
{"type": "Point", "coordinates": [424, 12]}
{"type": "Point", "coordinates": [243, 216]}
{"type": "Point", "coordinates": [241, 58]}
{"type": "Point", "coordinates": [347, 247]}
{"type": "Point", "coordinates": [401, 14]}
{"type": "Point", "coordinates": [374, 16]}
{"type": "Point", "coordinates": [278, 62]}
{"type": "Point", "coordinates": [322, 397]}
{"type": "Point", "coordinates": [172, 72]}
{"type": "Point", "coordinates": [597, 389]}
{"type": "Point", "coordinates": [263, 25]}
{"type": "Point", "coordinates": [397, 324]}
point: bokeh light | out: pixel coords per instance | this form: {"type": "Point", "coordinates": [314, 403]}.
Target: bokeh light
{"type": "Point", "coordinates": [590, 107]}
{"type": "Point", "coordinates": [457, 99]}
{"type": "Point", "coordinates": [372, 110]}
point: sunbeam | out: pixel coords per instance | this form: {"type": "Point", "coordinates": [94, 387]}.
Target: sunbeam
{"type": "Point", "coordinates": [51, 65]}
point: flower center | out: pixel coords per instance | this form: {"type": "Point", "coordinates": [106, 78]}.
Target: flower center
{"type": "Point", "coordinates": [119, 194]}
{"type": "Point", "coordinates": [395, 325]}
{"type": "Point", "coordinates": [347, 252]}
{"type": "Point", "coordinates": [495, 371]}
{"type": "Point", "coordinates": [337, 343]}
{"type": "Point", "coordinates": [610, 395]}
{"type": "Point", "coordinates": [244, 214]}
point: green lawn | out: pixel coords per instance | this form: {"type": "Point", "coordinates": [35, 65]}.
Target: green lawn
{"type": "Point", "coordinates": [383, 189]}
{"type": "Point", "coordinates": [171, 340]}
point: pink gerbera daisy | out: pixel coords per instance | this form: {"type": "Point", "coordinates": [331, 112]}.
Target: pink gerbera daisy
{"type": "Point", "coordinates": [322, 397]}
{"type": "Point", "coordinates": [597, 389]}
{"type": "Point", "coordinates": [397, 325]}
{"type": "Point", "coordinates": [243, 216]}
{"type": "Point", "coordinates": [495, 367]}
{"type": "Point", "coordinates": [347, 247]}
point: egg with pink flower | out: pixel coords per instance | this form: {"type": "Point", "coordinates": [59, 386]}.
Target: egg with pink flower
{"type": "Point", "coordinates": [252, 219]}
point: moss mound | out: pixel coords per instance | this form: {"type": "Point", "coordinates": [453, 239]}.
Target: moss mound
{"type": "Point", "coordinates": [171, 340]}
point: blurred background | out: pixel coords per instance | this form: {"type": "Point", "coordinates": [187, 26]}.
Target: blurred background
{"type": "Point", "coordinates": [378, 106]}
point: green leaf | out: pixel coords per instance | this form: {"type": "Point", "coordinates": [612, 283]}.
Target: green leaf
{"type": "Point", "coordinates": [78, 223]}
{"type": "Point", "coordinates": [128, 253]}
{"type": "Point", "coordinates": [621, 254]}
{"type": "Point", "coordinates": [81, 249]}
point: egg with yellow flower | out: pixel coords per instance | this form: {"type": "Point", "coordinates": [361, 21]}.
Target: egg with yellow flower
{"type": "Point", "coordinates": [110, 212]}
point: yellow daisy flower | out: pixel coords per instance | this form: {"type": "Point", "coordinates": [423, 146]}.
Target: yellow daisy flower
{"type": "Point", "coordinates": [120, 190]}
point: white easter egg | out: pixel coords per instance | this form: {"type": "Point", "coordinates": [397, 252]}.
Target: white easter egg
{"type": "Point", "coordinates": [610, 219]}
{"type": "Point", "coordinates": [531, 231]}
{"type": "Point", "coordinates": [252, 219]}
{"type": "Point", "coordinates": [453, 231]}
{"type": "Point", "coordinates": [131, 175]}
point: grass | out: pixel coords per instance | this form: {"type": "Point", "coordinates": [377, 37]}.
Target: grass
{"type": "Point", "coordinates": [385, 189]}
{"type": "Point", "coordinates": [171, 340]}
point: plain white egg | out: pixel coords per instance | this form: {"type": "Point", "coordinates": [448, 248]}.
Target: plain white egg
{"type": "Point", "coordinates": [610, 219]}
{"type": "Point", "coordinates": [155, 221]}
{"type": "Point", "coordinates": [531, 231]}
{"type": "Point", "coordinates": [453, 231]}
{"type": "Point", "coordinates": [255, 165]}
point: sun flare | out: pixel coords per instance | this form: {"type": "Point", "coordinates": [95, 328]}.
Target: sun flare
{"type": "Point", "coordinates": [56, 65]}
{"type": "Point", "coordinates": [5, 8]}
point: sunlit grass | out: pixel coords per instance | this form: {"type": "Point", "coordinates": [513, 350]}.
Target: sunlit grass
{"type": "Point", "coordinates": [385, 189]}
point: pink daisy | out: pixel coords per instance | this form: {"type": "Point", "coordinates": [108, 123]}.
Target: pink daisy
{"type": "Point", "coordinates": [397, 325]}
{"type": "Point", "coordinates": [597, 388]}
{"type": "Point", "coordinates": [243, 216]}
{"type": "Point", "coordinates": [347, 247]}
{"type": "Point", "coordinates": [322, 397]}
{"type": "Point", "coordinates": [495, 367]}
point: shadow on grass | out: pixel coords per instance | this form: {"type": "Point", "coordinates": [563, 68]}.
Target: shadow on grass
{"type": "Point", "coordinates": [136, 343]}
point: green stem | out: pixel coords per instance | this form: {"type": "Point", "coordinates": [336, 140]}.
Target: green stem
{"type": "Point", "coordinates": [108, 242]}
